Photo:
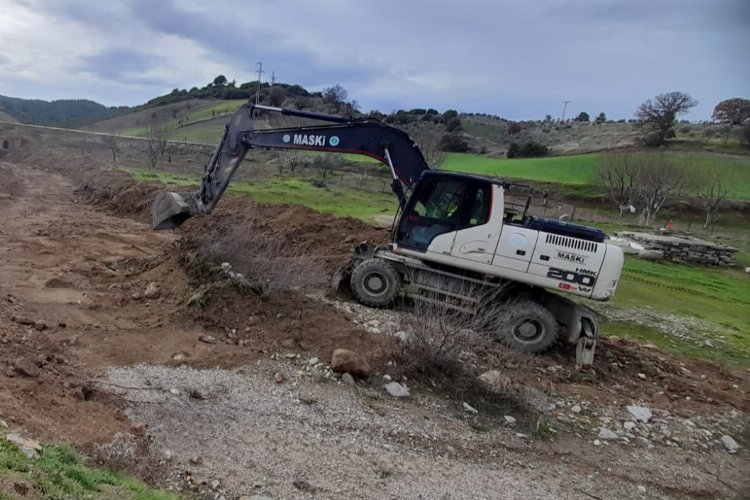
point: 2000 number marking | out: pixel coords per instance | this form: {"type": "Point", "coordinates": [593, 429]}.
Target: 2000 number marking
{"type": "Point", "coordinates": [571, 277]}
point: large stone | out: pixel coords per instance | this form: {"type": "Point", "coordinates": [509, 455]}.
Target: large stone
{"type": "Point", "coordinates": [152, 291]}
{"type": "Point", "coordinates": [640, 413]}
{"type": "Point", "coordinates": [495, 380]}
{"type": "Point", "coordinates": [729, 443]}
{"type": "Point", "coordinates": [397, 390]}
{"type": "Point", "coordinates": [26, 367]}
{"type": "Point", "coordinates": [607, 434]}
{"type": "Point", "coordinates": [29, 447]}
{"type": "Point", "coordinates": [346, 361]}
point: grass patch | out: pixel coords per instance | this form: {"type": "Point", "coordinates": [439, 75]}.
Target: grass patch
{"type": "Point", "coordinates": [61, 473]}
{"type": "Point", "coordinates": [336, 200]}
{"type": "Point", "coordinates": [340, 201]}
{"type": "Point", "coordinates": [718, 296]}
{"type": "Point", "coordinates": [721, 354]}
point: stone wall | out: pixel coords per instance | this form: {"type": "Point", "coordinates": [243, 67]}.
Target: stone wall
{"type": "Point", "coordinates": [682, 248]}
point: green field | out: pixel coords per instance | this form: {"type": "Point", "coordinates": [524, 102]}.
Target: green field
{"type": "Point", "coordinates": [575, 169]}
{"type": "Point", "coordinates": [582, 169]}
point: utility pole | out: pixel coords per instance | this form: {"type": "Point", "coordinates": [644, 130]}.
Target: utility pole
{"type": "Point", "coordinates": [565, 107]}
{"type": "Point", "coordinates": [273, 78]}
{"type": "Point", "coordinates": [257, 89]}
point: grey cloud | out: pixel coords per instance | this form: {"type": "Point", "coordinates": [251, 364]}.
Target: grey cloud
{"type": "Point", "coordinates": [4, 59]}
{"type": "Point", "coordinates": [120, 63]}
{"type": "Point", "coordinates": [513, 58]}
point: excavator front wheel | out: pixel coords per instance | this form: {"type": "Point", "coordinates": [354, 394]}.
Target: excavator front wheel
{"type": "Point", "coordinates": [526, 326]}
{"type": "Point", "coordinates": [375, 283]}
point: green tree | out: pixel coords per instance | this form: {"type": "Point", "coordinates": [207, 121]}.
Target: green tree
{"type": "Point", "coordinates": [734, 111]}
{"type": "Point", "coordinates": [220, 81]}
{"type": "Point", "coordinates": [600, 118]}
{"type": "Point", "coordinates": [582, 117]}
{"type": "Point", "coordinates": [658, 115]}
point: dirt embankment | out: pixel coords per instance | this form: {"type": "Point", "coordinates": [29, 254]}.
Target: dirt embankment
{"type": "Point", "coordinates": [84, 290]}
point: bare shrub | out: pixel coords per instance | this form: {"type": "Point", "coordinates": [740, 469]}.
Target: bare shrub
{"type": "Point", "coordinates": [264, 260]}
{"type": "Point", "coordinates": [440, 341]}
{"type": "Point", "coordinates": [446, 333]}
{"type": "Point", "coordinates": [451, 350]}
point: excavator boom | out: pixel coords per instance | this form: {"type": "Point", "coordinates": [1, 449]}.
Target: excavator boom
{"type": "Point", "coordinates": [365, 136]}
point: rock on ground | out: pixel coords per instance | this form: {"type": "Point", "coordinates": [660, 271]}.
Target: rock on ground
{"type": "Point", "coordinates": [346, 361]}
{"type": "Point", "coordinates": [605, 433]}
{"type": "Point", "coordinates": [397, 390]}
{"type": "Point", "coordinates": [640, 413]}
{"type": "Point", "coordinates": [730, 444]}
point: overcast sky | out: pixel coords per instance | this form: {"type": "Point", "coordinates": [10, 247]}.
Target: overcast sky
{"type": "Point", "coordinates": [518, 59]}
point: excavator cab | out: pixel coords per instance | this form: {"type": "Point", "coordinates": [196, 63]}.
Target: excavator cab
{"type": "Point", "coordinates": [440, 204]}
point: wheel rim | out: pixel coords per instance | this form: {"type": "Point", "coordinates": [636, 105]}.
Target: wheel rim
{"type": "Point", "coordinates": [375, 284]}
{"type": "Point", "coordinates": [528, 331]}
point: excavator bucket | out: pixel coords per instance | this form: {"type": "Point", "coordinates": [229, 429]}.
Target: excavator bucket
{"type": "Point", "coordinates": [170, 210]}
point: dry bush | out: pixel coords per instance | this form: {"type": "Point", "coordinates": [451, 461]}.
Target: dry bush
{"type": "Point", "coordinates": [440, 341]}
{"type": "Point", "coordinates": [454, 352]}
{"type": "Point", "coordinates": [264, 261]}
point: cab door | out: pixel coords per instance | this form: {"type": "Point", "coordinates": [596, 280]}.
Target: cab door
{"type": "Point", "coordinates": [478, 232]}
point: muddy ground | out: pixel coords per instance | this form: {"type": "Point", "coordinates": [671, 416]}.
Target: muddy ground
{"type": "Point", "coordinates": [187, 397]}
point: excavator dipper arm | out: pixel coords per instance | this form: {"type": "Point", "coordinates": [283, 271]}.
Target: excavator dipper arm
{"type": "Point", "coordinates": [367, 136]}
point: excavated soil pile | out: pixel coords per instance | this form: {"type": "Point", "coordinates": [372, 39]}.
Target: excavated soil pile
{"type": "Point", "coordinates": [111, 190]}
{"type": "Point", "coordinates": [10, 186]}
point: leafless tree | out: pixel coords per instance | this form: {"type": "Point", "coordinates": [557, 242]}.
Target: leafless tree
{"type": "Point", "coordinates": [428, 140]}
{"type": "Point", "coordinates": [658, 180]}
{"type": "Point", "coordinates": [658, 116]}
{"type": "Point", "coordinates": [153, 145]}
{"type": "Point", "coordinates": [711, 187]}
{"type": "Point", "coordinates": [112, 142]}
{"type": "Point", "coordinates": [335, 97]}
{"type": "Point", "coordinates": [618, 178]}
{"type": "Point", "coordinates": [291, 160]}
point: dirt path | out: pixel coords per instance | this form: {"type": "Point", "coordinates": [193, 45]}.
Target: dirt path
{"type": "Point", "coordinates": [115, 368]}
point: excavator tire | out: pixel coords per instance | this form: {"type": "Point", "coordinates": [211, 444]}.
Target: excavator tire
{"type": "Point", "coordinates": [375, 283]}
{"type": "Point", "coordinates": [526, 326]}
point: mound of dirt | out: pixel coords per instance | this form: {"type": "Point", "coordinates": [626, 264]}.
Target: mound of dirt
{"type": "Point", "coordinates": [11, 186]}
{"type": "Point", "coordinates": [98, 184]}
{"type": "Point", "coordinates": [323, 237]}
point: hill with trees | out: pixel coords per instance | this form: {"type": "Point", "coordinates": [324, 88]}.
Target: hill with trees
{"type": "Point", "coordinates": [60, 113]}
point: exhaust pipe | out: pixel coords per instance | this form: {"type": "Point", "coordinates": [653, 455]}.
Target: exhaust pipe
{"type": "Point", "coordinates": [170, 210]}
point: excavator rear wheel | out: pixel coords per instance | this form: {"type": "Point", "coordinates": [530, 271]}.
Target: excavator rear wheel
{"type": "Point", "coordinates": [375, 283]}
{"type": "Point", "coordinates": [526, 326]}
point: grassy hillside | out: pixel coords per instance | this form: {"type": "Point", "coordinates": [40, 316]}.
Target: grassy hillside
{"type": "Point", "coordinates": [169, 115]}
